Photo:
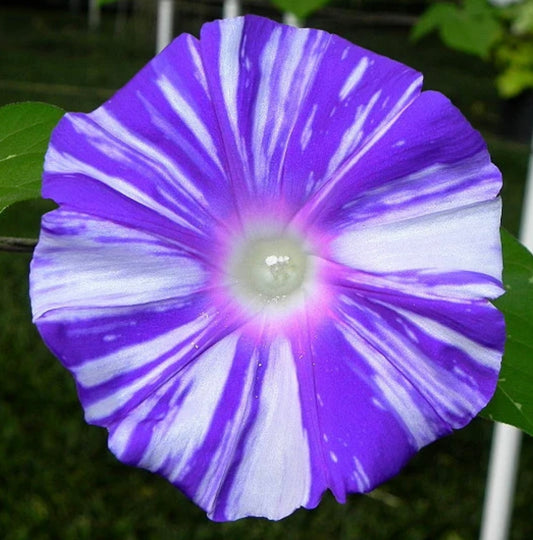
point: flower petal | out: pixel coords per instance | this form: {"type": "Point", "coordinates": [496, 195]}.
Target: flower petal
{"type": "Point", "coordinates": [465, 240]}
{"type": "Point", "coordinates": [287, 126]}
{"type": "Point", "coordinates": [151, 153]}
{"type": "Point", "coordinates": [227, 430]}
{"type": "Point", "coordinates": [264, 133]}
{"type": "Point", "coordinates": [428, 160]}
{"type": "Point", "coordinates": [83, 262]}
{"type": "Point", "coordinates": [387, 381]}
{"type": "Point", "coordinates": [425, 217]}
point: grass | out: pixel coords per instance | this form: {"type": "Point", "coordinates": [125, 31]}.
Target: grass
{"type": "Point", "coordinates": [59, 480]}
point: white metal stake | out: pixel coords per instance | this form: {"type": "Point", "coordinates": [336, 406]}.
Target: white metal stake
{"type": "Point", "coordinates": [505, 452]}
{"type": "Point", "coordinates": [291, 19]}
{"type": "Point", "coordinates": [165, 23]}
{"type": "Point", "coordinates": [526, 227]}
{"type": "Point", "coordinates": [231, 8]}
{"type": "Point", "coordinates": [499, 493]}
{"type": "Point", "coordinates": [94, 14]}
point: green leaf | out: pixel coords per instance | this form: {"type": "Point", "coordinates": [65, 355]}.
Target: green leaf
{"type": "Point", "coordinates": [462, 34]}
{"type": "Point", "coordinates": [513, 401]}
{"type": "Point", "coordinates": [522, 18]}
{"type": "Point", "coordinates": [473, 28]}
{"type": "Point", "coordinates": [513, 81]}
{"type": "Point", "coordinates": [25, 130]}
{"type": "Point", "coordinates": [432, 19]}
{"type": "Point", "coordinates": [300, 8]}
{"type": "Point", "coordinates": [515, 60]}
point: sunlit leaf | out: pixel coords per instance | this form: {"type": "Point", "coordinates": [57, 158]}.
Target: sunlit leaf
{"type": "Point", "coordinates": [513, 81]}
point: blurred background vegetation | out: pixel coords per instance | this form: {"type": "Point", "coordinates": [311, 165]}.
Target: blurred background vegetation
{"type": "Point", "coordinates": [58, 481]}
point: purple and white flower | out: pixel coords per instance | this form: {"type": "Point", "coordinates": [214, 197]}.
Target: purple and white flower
{"type": "Point", "coordinates": [271, 265]}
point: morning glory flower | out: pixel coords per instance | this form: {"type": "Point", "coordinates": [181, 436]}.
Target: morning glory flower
{"type": "Point", "coordinates": [270, 269]}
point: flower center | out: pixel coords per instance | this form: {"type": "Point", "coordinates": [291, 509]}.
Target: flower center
{"type": "Point", "coordinates": [270, 269]}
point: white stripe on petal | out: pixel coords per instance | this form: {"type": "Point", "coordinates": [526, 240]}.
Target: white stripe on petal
{"type": "Point", "coordinates": [354, 78]}
{"type": "Point", "coordinates": [287, 95]}
{"type": "Point", "coordinates": [269, 94]}
{"type": "Point", "coordinates": [407, 96]}
{"type": "Point", "coordinates": [339, 164]}
{"type": "Point", "coordinates": [63, 163]}
{"type": "Point", "coordinates": [446, 241]}
{"type": "Point", "coordinates": [103, 369]}
{"type": "Point", "coordinates": [352, 136]}
{"type": "Point", "coordinates": [185, 112]}
{"type": "Point", "coordinates": [439, 187]}
{"type": "Point", "coordinates": [181, 432]}
{"type": "Point", "coordinates": [94, 263]}
{"type": "Point", "coordinates": [192, 45]}
{"type": "Point", "coordinates": [122, 394]}
{"type": "Point", "coordinates": [209, 487]}
{"type": "Point", "coordinates": [308, 130]}
{"type": "Point", "coordinates": [230, 44]}
{"type": "Point", "coordinates": [404, 370]}
{"type": "Point", "coordinates": [288, 65]}
{"type": "Point", "coordinates": [490, 358]}
{"type": "Point", "coordinates": [263, 104]}
{"type": "Point", "coordinates": [146, 148]}
{"type": "Point", "coordinates": [394, 389]}
{"type": "Point", "coordinates": [393, 115]}
{"type": "Point", "coordinates": [429, 284]}
{"type": "Point", "coordinates": [276, 458]}
{"type": "Point", "coordinates": [120, 438]}
{"type": "Point", "coordinates": [363, 482]}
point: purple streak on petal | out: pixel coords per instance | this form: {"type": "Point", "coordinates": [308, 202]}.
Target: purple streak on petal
{"type": "Point", "coordinates": [358, 96]}
{"type": "Point", "coordinates": [91, 333]}
{"type": "Point", "coordinates": [210, 472]}
{"type": "Point", "coordinates": [202, 410]}
{"type": "Point", "coordinates": [178, 413]}
{"type": "Point", "coordinates": [430, 142]}
{"type": "Point", "coordinates": [433, 286]}
{"type": "Point", "coordinates": [457, 299]}
{"type": "Point", "coordinates": [227, 430]}
{"type": "Point", "coordinates": [80, 192]}
{"type": "Point", "coordinates": [251, 67]}
{"type": "Point", "coordinates": [275, 109]}
{"type": "Point", "coordinates": [155, 142]}
{"type": "Point", "coordinates": [438, 188]}
{"type": "Point", "coordinates": [120, 356]}
{"type": "Point", "coordinates": [270, 475]}
{"type": "Point", "coordinates": [400, 371]}
{"type": "Point", "coordinates": [363, 439]}
{"type": "Point", "coordinates": [454, 373]}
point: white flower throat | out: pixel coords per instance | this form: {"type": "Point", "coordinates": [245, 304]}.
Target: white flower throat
{"type": "Point", "coordinates": [270, 269]}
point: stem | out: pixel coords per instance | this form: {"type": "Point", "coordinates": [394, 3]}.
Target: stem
{"type": "Point", "coordinates": [8, 243]}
